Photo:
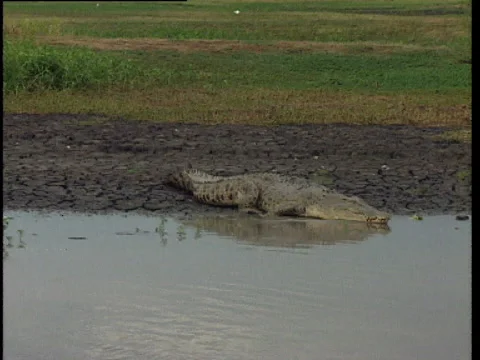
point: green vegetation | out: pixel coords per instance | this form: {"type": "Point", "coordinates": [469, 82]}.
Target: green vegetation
{"type": "Point", "coordinates": [464, 175]}
{"type": "Point", "coordinates": [462, 135]}
{"type": "Point", "coordinates": [8, 240]}
{"type": "Point", "coordinates": [337, 28]}
{"type": "Point", "coordinates": [30, 67]}
{"type": "Point", "coordinates": [151, 8]}
{"type": "Point", "coordinates": [400, 61]}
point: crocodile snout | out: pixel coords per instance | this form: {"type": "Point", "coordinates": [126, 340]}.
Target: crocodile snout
{"type": "Point", "coordinates": [378, 219]}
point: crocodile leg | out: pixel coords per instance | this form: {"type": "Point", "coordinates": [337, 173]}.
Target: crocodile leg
{"type": "Point", "coordinates": [289, 209]}
{"type": "Point", "coordinates": [251, 211]}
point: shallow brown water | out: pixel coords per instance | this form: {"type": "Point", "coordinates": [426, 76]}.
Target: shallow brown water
{"type": "Point", "coordinates": [280, 290]}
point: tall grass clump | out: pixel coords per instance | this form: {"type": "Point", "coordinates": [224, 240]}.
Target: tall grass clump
{"type": "Point", "coordinates": [31, 67]}
{"type": "Point", "coordinates": [29, 28]}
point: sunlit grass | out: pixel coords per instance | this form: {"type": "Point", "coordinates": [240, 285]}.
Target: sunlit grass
{"type": "Point", "coordinates": [254, 106]}
{"type": "Point", "coordinates": [308, 61]}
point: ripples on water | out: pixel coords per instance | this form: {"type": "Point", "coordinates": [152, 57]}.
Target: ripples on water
{"type": "Point", "coordinates": [327, 291]}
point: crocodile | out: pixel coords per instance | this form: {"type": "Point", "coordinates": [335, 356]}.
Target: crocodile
{"type": "Point", "coordinates": [273, 194]}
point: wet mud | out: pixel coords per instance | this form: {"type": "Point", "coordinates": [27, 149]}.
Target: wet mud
{"type": "Point", "coordinates": [93, 164]}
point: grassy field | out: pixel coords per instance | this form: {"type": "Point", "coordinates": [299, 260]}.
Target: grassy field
{"type": "Point", "coordinates": [276, 62]}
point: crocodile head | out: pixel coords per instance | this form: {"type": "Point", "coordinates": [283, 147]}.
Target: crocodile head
{"type": "Point", "coordinates": [341, 207]}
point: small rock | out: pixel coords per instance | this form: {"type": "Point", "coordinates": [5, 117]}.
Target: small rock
{"type": "Point", "coordinates": [462, 217]}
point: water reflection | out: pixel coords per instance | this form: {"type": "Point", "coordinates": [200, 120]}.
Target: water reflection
{"type": "Point", "coordinates": [114, 292]}
{"type": "Point", "coordinates": [290, 233]}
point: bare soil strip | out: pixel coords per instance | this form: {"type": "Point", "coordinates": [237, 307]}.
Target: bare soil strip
{"type": "Point", "coordinates": [56, 162]}
{"type": "Point", "coordinates": [226, 46]}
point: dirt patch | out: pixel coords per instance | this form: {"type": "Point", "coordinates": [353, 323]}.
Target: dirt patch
{"type": "Point", "coordinates": [226, 46]}
{"type": "Point", "coordinates": [54, 162]}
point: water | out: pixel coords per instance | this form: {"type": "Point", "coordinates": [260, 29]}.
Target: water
{"type": "Point", "coordinates": [223, 289]}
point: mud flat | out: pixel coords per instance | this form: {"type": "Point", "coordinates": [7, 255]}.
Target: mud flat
{"type": "Point", "coordinates": [94, 164]}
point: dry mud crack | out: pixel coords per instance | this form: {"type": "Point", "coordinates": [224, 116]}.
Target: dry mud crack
{"type": "Point", "coordinates": [57, 162]}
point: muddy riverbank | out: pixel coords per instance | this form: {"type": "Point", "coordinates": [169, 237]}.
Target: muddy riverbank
{"type": "Point", "coordinates": [89, 163]}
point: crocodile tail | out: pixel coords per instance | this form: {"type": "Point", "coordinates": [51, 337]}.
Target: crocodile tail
{"type": "Point", "coordinates": [180, 180]}
{"type": "Point", "coordinates": [201, 177]}
{"type": "Point", "coordinates": [190, 178]}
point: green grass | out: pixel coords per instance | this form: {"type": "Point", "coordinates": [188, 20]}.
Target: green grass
{"type": "Point", "coordinates": [42, 67]}
{"type": "Point", "coordinates": [339, 21]}
{"type": "Point", "coordinates": [58, 8]}
{"type": "Point", "coordinates": [398, 72]}
{"type": "Point", "coordinates": [377, 60]}
{"type": "Point", "coordinates": [84, 8]}
{"type": "Point", "coordinates": [31, 67]}
{"type": "Point", "coordinates": [340, 28]}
